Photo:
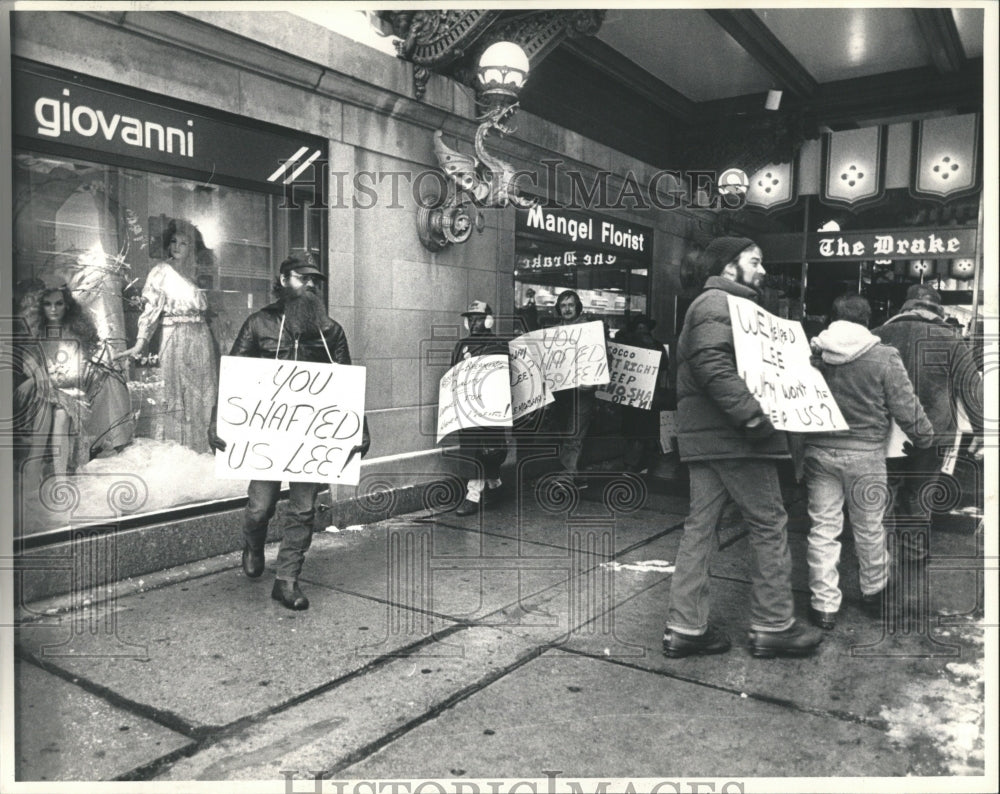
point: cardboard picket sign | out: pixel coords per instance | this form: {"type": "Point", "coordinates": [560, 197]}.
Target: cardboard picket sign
{"type": "Point", "coordinates": [633, 372]}
{"type": "Point", "coordinates": [528, 389]}
{"type": "Point", "coordinates": [290, 421]}
{"type": "Point", "coordinates": [569, 355]}
{"type": "Point", "coordinates": [772, 355]}
{"type": "Point", "coordinates": [475, 393]}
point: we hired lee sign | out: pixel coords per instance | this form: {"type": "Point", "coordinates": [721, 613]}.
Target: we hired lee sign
{"type": "Point", "coordinates": [772, 355]}
{"type": "Point", "coordinates": [289, 421]}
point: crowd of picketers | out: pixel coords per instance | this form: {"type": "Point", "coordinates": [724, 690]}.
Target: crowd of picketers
{"type": "Point", "coordinates": [916, 371]}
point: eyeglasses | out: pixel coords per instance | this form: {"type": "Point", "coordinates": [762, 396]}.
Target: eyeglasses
{"type": "Point", "coordinates": [300, 277]}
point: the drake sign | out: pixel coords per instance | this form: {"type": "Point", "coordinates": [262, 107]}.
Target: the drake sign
{"type": "Point", "coordinates": [956, 242]}
{"type": "Point", "coordinates": [596, 233]}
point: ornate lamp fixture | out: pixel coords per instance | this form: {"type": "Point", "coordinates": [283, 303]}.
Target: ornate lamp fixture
{"type": "Point", "coordinates": [482, 180]}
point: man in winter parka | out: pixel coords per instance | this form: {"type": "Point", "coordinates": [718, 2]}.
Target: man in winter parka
{"type": "Point", "coordinates": [847, 467]}
{"type": "Point", "coordinates": [730, 447]}
{"type": "Point", "coordinates": [486, 448]}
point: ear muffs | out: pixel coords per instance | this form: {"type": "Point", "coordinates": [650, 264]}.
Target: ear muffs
{"type": "Point", "coordinates": [465, 322]}
{"type": "Point", "coordinates": [488, 322]}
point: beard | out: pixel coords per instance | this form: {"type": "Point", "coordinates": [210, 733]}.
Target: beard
{"type": "Point", "coordinates": [304, 311]}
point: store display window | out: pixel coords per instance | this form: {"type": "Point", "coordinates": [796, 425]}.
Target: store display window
{"type": "Point", "coordinates": [130, 282]}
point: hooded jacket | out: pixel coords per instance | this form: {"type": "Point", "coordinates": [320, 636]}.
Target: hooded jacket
{"type": "Point", "coordinates": [940, 364]}
{"type": "Point", "coordinates": [713, 402]}
{"type": "Point", "coordinates": [870, 386]}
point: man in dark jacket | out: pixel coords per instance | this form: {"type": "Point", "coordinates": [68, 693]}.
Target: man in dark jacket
{"type": "Point", "coordinates": [730, 447]}
{"type": "Point", "coordinates": [944, 373]}
{"type": "Point", "coordinates": [870, 386]}
{"type": "Point", "coordinates": [486, 448]}
{"type": "Point", "coordinates": [295, 327]}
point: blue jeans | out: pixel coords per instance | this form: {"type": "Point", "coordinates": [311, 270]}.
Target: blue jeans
{"type": "Point", "coordinates": [856, 479]}
{"type": "Point", "coordinates": [753, 485]}
{"type": "Point", "coordinates": [297, 537]}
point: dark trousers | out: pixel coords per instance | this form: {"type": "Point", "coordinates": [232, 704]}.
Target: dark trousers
{"type": "Point", "coordinates": [914, 482]}
{"type": "Point", "coordinates": [297, 536]}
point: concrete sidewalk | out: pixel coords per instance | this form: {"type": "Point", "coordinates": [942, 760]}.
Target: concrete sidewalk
{"type": "Point", "coordinates": [508, 645]}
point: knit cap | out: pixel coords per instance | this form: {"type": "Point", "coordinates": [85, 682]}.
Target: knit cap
{"type": "Point", "coordinates": [721, 251]}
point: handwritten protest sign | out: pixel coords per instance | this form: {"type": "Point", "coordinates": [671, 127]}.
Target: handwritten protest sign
{"type": "Point", "coordinates": [474, 393]}
{"type": "Point", "coordinates": [633, 372]}
{"type": "Point", "coordinates": [528, 391]}
{"type": "Point", "coordinates": [772, 356]}
{"type": "Point", "coordinates": [289, 421]}
{"type": "Point", "coordinates": [569, 355]}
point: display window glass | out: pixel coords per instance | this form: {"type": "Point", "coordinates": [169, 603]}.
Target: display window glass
{"type": "Point", "coordinates": [106, 257]}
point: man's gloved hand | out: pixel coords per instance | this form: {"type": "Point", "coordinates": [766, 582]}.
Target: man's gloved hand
{"type": "Point", "coordinates": [976, 447]}
{"type": "Point", "coordinates": [214, 441]}
{"type": "Point", "coordinates": [759, 428]}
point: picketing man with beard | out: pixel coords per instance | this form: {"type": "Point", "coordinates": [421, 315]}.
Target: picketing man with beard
{"type": "Point", "coordinates": [295, 327]}
{"type": "Point", "coordinates": [731, 449]}
{"type": "Point", "coordinates": [484, 448]}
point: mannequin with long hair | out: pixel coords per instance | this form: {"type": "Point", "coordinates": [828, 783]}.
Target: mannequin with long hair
{"type": "Point", "coordinates": [61, 376]}
{"type": "Point", "coordinates": [174, 302]}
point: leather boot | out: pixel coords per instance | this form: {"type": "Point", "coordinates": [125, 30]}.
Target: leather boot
{"type": "Point", "coordinates": [796, 640]}
{"type": "Point", "coordinates": [289, 595]}
{"type": "Point", "coordinates": [253, 561]}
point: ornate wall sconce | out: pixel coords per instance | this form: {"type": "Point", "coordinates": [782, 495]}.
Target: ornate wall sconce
{"type": "Point", "coordinates": [479, 181]}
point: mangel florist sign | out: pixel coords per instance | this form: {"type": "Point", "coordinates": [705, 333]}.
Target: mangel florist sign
{"type": "Point", "coordinates": [611, 235]}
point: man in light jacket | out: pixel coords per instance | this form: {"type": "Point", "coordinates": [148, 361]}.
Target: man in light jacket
{"type": "Point", "coordinates": [730, 447]}
{"type": "Point", "coordinates": [847, 467]}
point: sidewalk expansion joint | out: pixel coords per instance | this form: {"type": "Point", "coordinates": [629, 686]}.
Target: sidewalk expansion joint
{"type": "Point", "coordinates": [843, 716]}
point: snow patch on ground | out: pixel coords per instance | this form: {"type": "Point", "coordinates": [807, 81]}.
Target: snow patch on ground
{"type": "Point", "coordinates": [644, 566]}
{"type": "Point", "coordinates": [948, 712]}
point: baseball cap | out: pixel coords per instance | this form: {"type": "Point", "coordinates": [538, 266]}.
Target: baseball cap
{"type": "Point", "coordinates": [303, 265]}
{"type": "Point", "coordinates": [478, 307]}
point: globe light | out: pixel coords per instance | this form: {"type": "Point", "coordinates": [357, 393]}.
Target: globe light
{"type": "Point", "coordinates": [503, 68]}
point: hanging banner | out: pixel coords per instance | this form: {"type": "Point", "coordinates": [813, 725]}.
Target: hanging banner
{"type": "Point", "coordinates": [772, 187]}
{"type": "Point", "coordinates": [569, 355]}
{"type": "Point", "coordinates": [633, 372]}
{"type": "Point", "coordinates": [946, 157]}
{"type": "Point", "coordinates": [289, 421]}
{"type": "Point", "coordinates": [474, 393]}
{"type": "Point", "coordinates": [772, 356]}
{"type": "Point", "coordinates": [853, 167]}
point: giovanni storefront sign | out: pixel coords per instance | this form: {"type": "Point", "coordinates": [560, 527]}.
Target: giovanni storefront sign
{"type": "Point", "coordinates": [85, 114]}
{"type": "Point", "coordinates": [890, 244]}
{"type": "Point", "coordinates": [586, 235]}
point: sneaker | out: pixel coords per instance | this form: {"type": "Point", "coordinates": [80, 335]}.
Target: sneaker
{"type": "Point", "coordinates": [796, 640]}
{"type": "Point", "coordinates": [467, 508]}
{"type": "Point", "coordinates": [677, 645]}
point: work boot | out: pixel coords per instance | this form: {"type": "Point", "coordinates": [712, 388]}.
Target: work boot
{"type": "Point", "coordinates": [253, 561]}
{"type": "Point", "coordinates": [796, 640]}
{"type": "Point", "coordinates": [677, 645]}
{"type": "Point", "coordinates": [823, 618]}
{"type": "Point", "coordinates": [289, 595]}
{"type": "Point", "coordinates": [467, 508]}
